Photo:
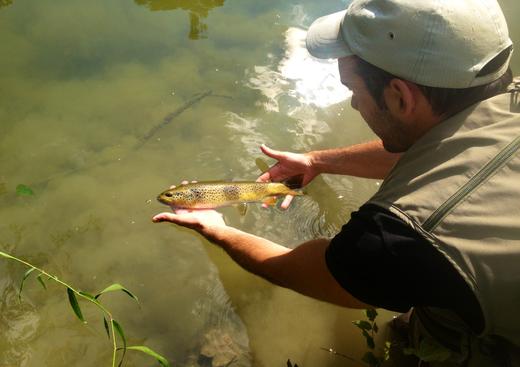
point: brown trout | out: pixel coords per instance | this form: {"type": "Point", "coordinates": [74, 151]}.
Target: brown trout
{"type": "Point", "coordinates": [206, 195]}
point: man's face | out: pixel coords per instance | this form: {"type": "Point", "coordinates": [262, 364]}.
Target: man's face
{"type": "Point", "coordinates": [388, 128]}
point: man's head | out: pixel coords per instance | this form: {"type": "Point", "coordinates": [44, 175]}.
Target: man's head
{"type": "Point", "coordinates": [435, 43]}
{"type": "Point", "coordinates": [399, 115]}
{"type": "Point", "coordinates": [419, 61]}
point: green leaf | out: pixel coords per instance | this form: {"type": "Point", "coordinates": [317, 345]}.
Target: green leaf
{"type": "Point", "coordinates": [105, 322]}
{"type": "Point", "coordinates": [24, 190]}
{"type": "Point", "coordinates": [25, 276]}
{"type": "Point", "coordinates": [410, 351]}
{"type": "Point", "coordinates": [88, 295]}
{"type": "Point", "coordinates": [371, 313]}
{"type": "Point", "coordinates": [362, 324]}
{"type": "Point", "coordinates": [116, 287]}
{"type": "Point", "coordinates": [75, 305]}
{"type": "Point", "coordinates": [370, 340]}
{"type": "Point", "coordinates": [370, 359]}
{"type": "Point", "coordinates": [119, 330]}
{"type": "Point", "coordinates": [387, 349]}
{"type": "Point", "coordinates": [40, 280]}
{"type": "Point", "coordinates": [7, 256]}
{"type": "Point", "coordinates": [429, 351]}
{"type": "Point", "coordinates": [141, 348]}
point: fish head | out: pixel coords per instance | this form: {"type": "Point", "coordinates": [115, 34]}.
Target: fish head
{"type": "Point", "coordinates": [172, 197]}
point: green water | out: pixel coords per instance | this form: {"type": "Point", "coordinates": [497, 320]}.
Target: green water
{"type": "Point", "coordinates": [81, 86]}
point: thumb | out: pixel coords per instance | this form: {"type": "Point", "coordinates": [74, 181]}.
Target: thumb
{"type": "Point", "coordinates": [276, 154]}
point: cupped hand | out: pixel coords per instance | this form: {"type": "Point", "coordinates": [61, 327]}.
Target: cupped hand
{"type": "Point", "coordinates": [295, 168]}
{"type": "Point", "coordinates": [199, 220]}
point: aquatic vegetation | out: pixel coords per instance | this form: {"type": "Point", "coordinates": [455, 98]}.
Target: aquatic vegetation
{"type": "Point", "coordinates": [369, 329]}
{"type": "Point", "coordinates": [5, 2]}
{"type": "Point", "coordinates": [24, 190]}
{"type": "Point", "coordinates": [113, 328]}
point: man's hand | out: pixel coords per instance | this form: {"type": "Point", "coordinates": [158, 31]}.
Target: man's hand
{"type": "Point", "coordinates": [199, 220]}
{"type": "Point", "coordinates": [292, 167]}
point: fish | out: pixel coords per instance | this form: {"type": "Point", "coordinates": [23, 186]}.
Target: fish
{"type": "Point", "coordinates": [215, 194]}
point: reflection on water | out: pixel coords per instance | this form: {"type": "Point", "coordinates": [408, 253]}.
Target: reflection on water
{"type": "Point", "coordinates": [5, 3]}
{"type": "Point", "coordinates": [198, 10]}
{"type": "Point", "coordinates": [298, 79]}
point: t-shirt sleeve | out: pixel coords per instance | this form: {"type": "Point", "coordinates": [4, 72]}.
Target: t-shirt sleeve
{"type": "Point", "coordinates": [382, 261]}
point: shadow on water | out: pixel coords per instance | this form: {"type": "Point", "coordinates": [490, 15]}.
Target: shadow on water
{"type": "Point", "coordinates": [5, 3]}
{"type": "Point", "coordinates": [198, 10]}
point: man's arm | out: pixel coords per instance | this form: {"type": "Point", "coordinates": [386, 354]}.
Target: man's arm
{"type": "Point", "coordinates": [302, 269]}
{"type": "Point", "coordinates": [368, 160]}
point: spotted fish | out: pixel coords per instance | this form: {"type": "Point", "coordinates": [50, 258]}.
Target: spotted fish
{"type": "Point", "coordinates": [206, 195]}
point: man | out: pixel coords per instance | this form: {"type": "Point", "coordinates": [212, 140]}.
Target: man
{"type": "Point", "coordinates": [432, 80]}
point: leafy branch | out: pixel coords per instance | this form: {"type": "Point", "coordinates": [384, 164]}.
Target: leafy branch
{"type": "Point", "coordinates": [369, 329]}
{"type": "Point", "coordinates": [113, 328]}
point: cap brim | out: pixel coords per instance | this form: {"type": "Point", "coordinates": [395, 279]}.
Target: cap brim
{"type": "Point", "coordinates": [324, 39]}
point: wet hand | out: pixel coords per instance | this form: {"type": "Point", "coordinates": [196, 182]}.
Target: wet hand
{"type": "Point", "coordinates": [195, 219]}
{"type": "Point", "coordinates": [294, 169]}
{"type": "Point", "coordinates": [199, 220]}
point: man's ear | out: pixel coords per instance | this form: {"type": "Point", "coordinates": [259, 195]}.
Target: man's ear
{"type": "Point", "coordinates": [401, 97]}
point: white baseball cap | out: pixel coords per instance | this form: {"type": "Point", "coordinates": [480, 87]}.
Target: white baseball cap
{"type": "Point", "coordinates": [437, 43]}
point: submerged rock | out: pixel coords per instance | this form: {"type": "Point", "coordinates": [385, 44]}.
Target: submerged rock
{"type": "Point", "coordinates": [218, 346]}
{"type": "Point", "coordinates": [219, 349]}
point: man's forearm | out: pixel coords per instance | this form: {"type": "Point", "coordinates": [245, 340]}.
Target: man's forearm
{"type": "Point", "coordinates": [369, 160]}
{"type": "Point", "coordinates": [302, 269]}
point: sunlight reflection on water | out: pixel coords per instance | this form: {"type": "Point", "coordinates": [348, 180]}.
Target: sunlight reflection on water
{"type": "Point", "coordinates": [313, 81]}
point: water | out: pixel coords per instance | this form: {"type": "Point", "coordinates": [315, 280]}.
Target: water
{"type": "Point", "coordinates": [81, 84]}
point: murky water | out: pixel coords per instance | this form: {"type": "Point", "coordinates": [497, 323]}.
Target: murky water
{"type": "Point", "coordinates": [104, 104]}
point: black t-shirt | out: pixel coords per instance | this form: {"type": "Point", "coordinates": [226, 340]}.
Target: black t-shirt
{"type": "Point", "coordinates": [382, 261]}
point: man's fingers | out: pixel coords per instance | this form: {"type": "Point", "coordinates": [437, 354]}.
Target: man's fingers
{"type": "Point", "coordinates": [286, 201]}
{"type": "Point", "coordinates": [271, 152]}
{"type": "Point", "coordinates": [164, 217]}
{"type": "Point", "coordinates": [264, 177]}
{"type": "Point", "coordinates": [275, 173]}
{"type": "Point", "coordinates": [184, 182]}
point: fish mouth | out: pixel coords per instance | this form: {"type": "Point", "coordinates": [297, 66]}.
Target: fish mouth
{"type": "Point", "coordinates": [162, 200]}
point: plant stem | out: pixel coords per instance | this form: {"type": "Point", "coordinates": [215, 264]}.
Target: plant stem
{"type": "Point", "coordinates": [95, 302]}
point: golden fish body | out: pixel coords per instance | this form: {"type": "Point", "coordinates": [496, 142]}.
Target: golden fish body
{"type": "Point", "coordinates": [206, 195]}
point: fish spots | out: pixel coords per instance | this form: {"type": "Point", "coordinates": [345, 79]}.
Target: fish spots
{"type": "Point", "coordinates": [196, 194]}
{"type": "Point", "coordinates": [231, 192]}
{"type": "Point", "coordinates": [216, 194]}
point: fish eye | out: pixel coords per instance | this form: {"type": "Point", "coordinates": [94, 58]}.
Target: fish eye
{"type": "Point", "coordinates": [168, 194]}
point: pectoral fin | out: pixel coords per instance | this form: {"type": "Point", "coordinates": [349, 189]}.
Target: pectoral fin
{"type": "Point", "coordinates": [261, 164]}
{"type": "Point", "coordinates": [242, 208]}
{"type": "Point", "coordinates": [270, 201]}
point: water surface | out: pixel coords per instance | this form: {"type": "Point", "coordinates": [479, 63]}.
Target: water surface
{"type": "Point", "coordinates": [82, 85]}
